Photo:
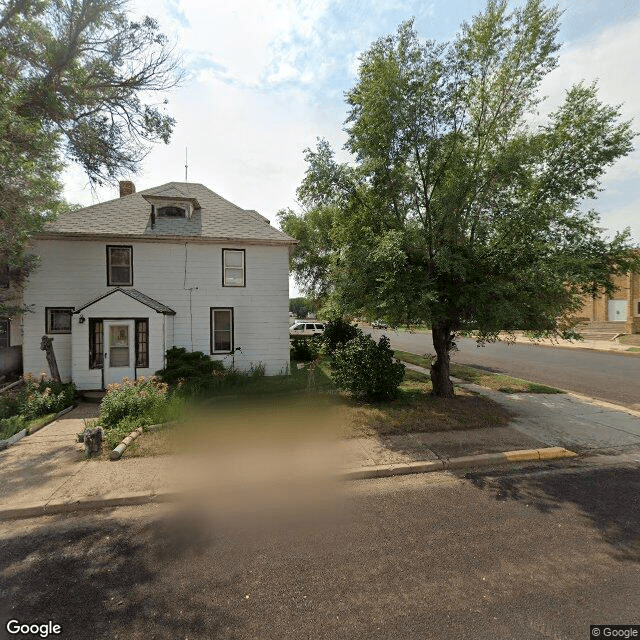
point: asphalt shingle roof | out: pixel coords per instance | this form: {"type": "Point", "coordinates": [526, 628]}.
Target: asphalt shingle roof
{"type": "Point", "coordinates": [136, 295]}
{"type": "Point", "coordinates": [130, 215]}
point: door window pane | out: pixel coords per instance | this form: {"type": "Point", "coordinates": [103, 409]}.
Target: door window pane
{"type": "Point", "coordinates": [119, 345]}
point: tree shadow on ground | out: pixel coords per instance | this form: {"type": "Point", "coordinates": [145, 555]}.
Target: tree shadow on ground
{"type": "Point", "coordinates": [609, 497]}
{"type": "Point", "coordinates": [100, 579]}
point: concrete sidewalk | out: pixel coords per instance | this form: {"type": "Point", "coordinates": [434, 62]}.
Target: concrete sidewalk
{"type": "Point", "coordinates": [49, 467]}
{"type": "Point", "coordinates": [566, 420]}
{"type": "Point", "coordinates": [595, 345]}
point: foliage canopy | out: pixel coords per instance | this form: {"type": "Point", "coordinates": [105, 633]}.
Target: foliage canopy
{"type": "Point", "coordinates": [463, 208]}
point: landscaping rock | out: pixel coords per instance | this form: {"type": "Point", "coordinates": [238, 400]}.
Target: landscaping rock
{"type": "Point", "coordinates": [93, 441]}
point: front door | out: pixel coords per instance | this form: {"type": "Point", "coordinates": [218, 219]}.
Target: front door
{"type": "Point", "coordinates": [617, 310]}
{"type": "Point", "coordinates": [119, 357]}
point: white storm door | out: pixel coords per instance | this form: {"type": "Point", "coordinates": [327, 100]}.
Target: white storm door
{"type": "Point", "coordinates": [617, 310]}
{"type": "Point", "coordinates": [119, 355]}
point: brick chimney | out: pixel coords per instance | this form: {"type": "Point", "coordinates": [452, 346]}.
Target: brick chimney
{"type": "Point", "coordinates": [126, 188]}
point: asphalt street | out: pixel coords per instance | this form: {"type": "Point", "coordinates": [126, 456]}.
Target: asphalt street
{"type": "Point", "coordinates": [521, 555]}
{"type": "Point", "coordinates": [610, 376]}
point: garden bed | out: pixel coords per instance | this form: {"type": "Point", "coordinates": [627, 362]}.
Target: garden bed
{"type": "Point", "coordinates": [33, 405]}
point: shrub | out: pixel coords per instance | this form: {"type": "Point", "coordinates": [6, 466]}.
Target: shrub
{"type": "Point", "coordinates": [185, 365]}
{"type": "Point", "coordinates": [11, 426]}
{"type": "Point", "coordinates": [47, 396]}
{"type": "Point", "coordinates": [114, 436]}
{"type": "Point", "coordinates": [140, 399]}
{"type": "Point", "coordinates": [304, 349]}
{"type": "Point", "coordinates": [9, 406]}
{"type": "Point", "coordinates": [337, 332]}
{"type": "Point", "coordinates": [367, 369]}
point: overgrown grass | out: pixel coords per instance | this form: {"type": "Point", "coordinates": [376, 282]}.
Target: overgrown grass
{"type": "Point", "coordinates": [634, 349]}
{"type": "Point", "coordinates": [308, 401]}
{"type": "Point", "coordinates": [496, 381]}
{"type": "Point", "coordinates": [633, 339]}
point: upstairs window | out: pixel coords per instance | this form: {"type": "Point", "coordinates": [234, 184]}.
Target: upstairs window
{"type": "Point", "coordinates": [233, 268]}
{"type": "Point", "coordinates": [119, 266]}
{"type": "Point", "coordinates": [58, 319]}
{"type": "Point", "coordinates": [171, 212]}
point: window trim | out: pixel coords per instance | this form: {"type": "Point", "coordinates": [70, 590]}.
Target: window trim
{"type": "Point", "coordinates": [7, 319]}
{"type": "Point", "coordinates": [138, 323]}
{"type": "Point", "coordinates": [47, 328]}
{"type": "Point", "coordinates": [119, 246]}
{"type": "Point", "coordinates": [244, 268]}
{"type": "Point", "coordinates": [211, 330]}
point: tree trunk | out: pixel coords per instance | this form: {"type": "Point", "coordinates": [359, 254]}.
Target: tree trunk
{"type": "Point", "coordinates": [46, 345]}
{"type": "Point", "coordinates": [442, 343]}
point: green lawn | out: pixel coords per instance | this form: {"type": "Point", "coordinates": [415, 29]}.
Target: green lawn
{"type": "Point", "coordinates": [499, 382]}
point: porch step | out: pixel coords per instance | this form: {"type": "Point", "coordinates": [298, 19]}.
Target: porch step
{"type": "Point", "coordinates": [94, 397]}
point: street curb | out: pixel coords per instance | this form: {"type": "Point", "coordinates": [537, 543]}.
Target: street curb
{"type": "Point", "coordinates": [480, 460]}
{"type": "Point", "coordinates": [602, 403]}
{"type": "Point", "coordinates": [365, 473]}
{"type": "Point", "coordinates": [85, 504]}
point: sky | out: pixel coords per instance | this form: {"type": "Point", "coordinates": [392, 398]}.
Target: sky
{"type": "Point", "coordinates": [266, 78]}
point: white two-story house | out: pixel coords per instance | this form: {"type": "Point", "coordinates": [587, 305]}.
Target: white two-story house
{"type": "Point", "coordinates": [121, 282]}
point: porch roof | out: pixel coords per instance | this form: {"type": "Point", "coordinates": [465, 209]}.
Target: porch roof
{"type": "Point", "coordinates": [136, 295]}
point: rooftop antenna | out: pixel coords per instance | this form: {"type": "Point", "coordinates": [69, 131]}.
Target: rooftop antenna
{"type": "Point", "coordinates": [186, 164]}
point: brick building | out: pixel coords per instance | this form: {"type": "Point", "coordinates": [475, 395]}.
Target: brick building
{"type": "Point", "coordinates": [621, 311]}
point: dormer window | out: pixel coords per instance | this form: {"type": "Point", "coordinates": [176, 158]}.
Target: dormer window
{"type": "Point", "coordinates": [171, 212]}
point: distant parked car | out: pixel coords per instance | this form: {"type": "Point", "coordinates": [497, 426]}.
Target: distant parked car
{"type": "Point", "coordinates": [379, 324]}
{"type": "Point", "coordinates": [306, 329]}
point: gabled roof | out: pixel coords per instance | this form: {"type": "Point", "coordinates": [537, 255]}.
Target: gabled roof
{"type": "Point", "coordinates": [136, 295]}
{"type": "Point", "coordinates": [130, 216]}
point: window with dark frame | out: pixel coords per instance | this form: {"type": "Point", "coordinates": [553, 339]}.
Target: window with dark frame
{"type": "Point", "coordinates": [58, 320]}
{"type": "Point", "coordinates": [5, 332]}
{"type": "Point", "coordinates": [142, 343]}
{"type": "Point", "coordinates": [221, 330]}
{"type": "Point", "coordinates": [233, 268]}
{"type": "Point", "coordinates": [96, 343]}
{"type": "Point", "coordinates": [171, 212]}
{"type": "Point", "coordinates": [119, 266]}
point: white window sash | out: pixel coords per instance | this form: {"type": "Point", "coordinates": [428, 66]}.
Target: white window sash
{"type": "Point", "coordinates": [231, 268]}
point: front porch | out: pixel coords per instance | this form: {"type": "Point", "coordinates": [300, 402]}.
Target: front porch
{"type": "Point", "coordinates": [120, 334]}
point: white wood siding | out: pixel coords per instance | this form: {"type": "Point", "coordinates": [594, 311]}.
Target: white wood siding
{"type": "Point", "coordinates": [186, 277]}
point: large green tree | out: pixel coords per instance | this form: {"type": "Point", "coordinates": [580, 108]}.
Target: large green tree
{"type": "Point", "coordinates": [463, 208]}
{"type": "Point", "coordinates": [79, 82]}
